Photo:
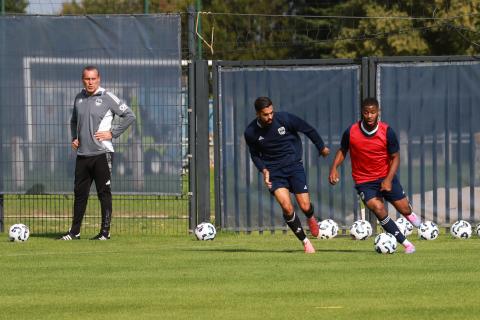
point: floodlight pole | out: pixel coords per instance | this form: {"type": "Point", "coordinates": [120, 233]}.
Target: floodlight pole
{"type": "Point", "coordinates": [145, 6]}
{"type": "Point", "coordinates": [199, 29]}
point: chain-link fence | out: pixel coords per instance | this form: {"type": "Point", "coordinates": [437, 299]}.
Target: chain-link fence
{"type": "Point", "coordinates": [41, 60]}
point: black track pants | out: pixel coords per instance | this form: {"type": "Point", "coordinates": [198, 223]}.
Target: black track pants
{"type": "Point", "coordinates": [87, 169]}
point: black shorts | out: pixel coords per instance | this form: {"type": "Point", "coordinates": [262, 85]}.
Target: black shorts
{"type": "Point", "coordinates": [292, 177]}
{"type": "Point", "coordinates": [369, 190]}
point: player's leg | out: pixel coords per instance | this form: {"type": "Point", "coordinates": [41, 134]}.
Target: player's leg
{"type": "Point", "coordinates": [404, 207]}
{"type": "Point", "coordinates": [298, 184]}
{"type": "Point", "coordinates": [291, 218]}
{"type": "Point", "coordinates": [377, 206]}
{"type": "Point", "coordinates": [83, 181]}
{"type": "Point", "coordinates": [399, 200]}
{"type": "Point", "coordinates": [102, 177]}
{"type": "Point", "coordinates": [303, 200]}
{"type": "Point", "coordinates": [371, 195]}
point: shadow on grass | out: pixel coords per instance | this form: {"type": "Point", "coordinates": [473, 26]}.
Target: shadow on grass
{"type": "Point", "coordinates": [275, 251]}
{"type": "Point", "coordinates": [343, 250]}
{"type": "Point", "coordinates": [239, 250]}
{"type": "Point", "coordinates": [46, 235]}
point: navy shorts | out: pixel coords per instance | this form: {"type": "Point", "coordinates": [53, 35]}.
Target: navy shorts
{"type": "Point", "coordinates": [292, 177]}
{"type": "Point", "coordinates": [369, 190]}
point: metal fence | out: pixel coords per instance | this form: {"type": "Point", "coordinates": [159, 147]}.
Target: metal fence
{"type": "Point", "coordinates": [161, 168]}
{"type": "Point", "coordinates": [324, 92]}
{"type": "Point", "coordinates": [431, 103]}
{"type": "Point", "coordinates": [41, 59]}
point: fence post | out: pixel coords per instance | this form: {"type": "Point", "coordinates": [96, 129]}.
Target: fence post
{"type": "Point", "coordinates": [1, 131]}
{"type": "Point", "coordinates": [371, 91]}
{"type": "Point", "coordinates": [145, 6]}
{"type": "Point", "coordinates": [192, 204]}
{"type": "Point", "coordinates": [199, 173]}
{"type": "Point", "coordinates": [198, 7]}
{"type": "Point", "coordinates": [202, 160]}
{"type": "Point", "coordinates": [2, 224]}
{"type": "Point", "coordinates": [216, 144]}
{"type": "Point", "coordinates": [477, 158]}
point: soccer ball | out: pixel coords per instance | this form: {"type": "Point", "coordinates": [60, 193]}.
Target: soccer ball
{"type": "Point", "coordinates": [361, 229]}
{"type": "Point", "coordinates": [18, 233]}
{"type": "Point", "coordinates": [405, 226]}
{"type": "Point", "coordinates": [428, 230]}
{"type": "Point", "coordinates": [328, 229]}
{"type": "Point", "coordinates": [385, 243]}
{"type": "Point", "coordinates": [461, 229]}
{"type": "Point", "coordinates": [205, 231]}
{"type": "Point", "coordinates": [478, 229]}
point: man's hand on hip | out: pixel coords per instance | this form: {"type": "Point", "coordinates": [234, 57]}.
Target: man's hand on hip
{"type": "Point", "coordinates": [103, 135]}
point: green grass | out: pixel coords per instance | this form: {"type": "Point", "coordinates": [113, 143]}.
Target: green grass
{"type": "Point", "coordinates": [237, 277]}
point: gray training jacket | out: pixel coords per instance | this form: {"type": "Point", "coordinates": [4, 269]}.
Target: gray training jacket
{"type": "Point", "coordinates": [95, 113]}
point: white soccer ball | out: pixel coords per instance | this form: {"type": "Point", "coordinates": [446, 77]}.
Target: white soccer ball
{"type": "Point", "coordinates": [405, 226]}
{"type": "Point", "coordinates": [477, 229]}
{"type": "Point", "coordinates": [361, 229]}
{"type": "Point", "coordinates": [428, 230]}
{"type": "Point", "coordinates": [205, 231]}
{"type": "Point", "coordinates": [18, 233]}
{"type": "Point", "coordinates": [385, 243]}
{"type": "Point", "coordinates": [328, 229]}
{"type": "Point", "coordinates": [461, 229]}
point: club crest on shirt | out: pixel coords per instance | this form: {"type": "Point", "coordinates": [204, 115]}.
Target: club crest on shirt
{"type": "Point", "coordinates": [98, 101]}
{"type": "Point", "coordinates": [80, 100]}
{"type": "Point", "coordinates": [281, 131]}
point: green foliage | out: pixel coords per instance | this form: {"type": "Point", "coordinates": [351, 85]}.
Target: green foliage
{"type": "Point", "coordinates": [394, 28]}
{"type": "Point", "coordinates": [237, 277]}
{"type": "Point", "coordinates": [245, 36]}
{"type": "Point", "coordinates": [15, 6]}
{"type": "Point", "coordinates": [123, 6]}
{"type": "Point", "coordinates": [276, 29]}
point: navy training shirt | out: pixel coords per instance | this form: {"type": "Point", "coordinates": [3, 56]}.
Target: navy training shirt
{"type": "Point", "coordinates": [279, 145]}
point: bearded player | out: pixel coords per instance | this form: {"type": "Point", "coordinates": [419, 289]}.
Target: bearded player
{"type": "Point", "coordinates": [276, 150]}
{"type": "Point", "coordinates": [375, 158]}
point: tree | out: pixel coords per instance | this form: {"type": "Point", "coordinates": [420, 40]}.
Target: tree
{"type": "Point", "coordinates": [123, 6]}
{"type": "Point", "coordinates": [359, 28]}
{"type": "Point", "coordinates": [247, 29]}
{"type": "Point", "coordinates": [15, 6]}
{"type": "Point", "coordinates": [278, 29]}
{"type": "Point", "coordinates": [456, 33]}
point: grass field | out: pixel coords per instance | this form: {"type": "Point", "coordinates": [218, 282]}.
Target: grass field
{"type": "Point", "coordinates": [237, 277]}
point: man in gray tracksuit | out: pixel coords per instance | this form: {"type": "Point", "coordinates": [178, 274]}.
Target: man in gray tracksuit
{"type": "Point", "coordinates": [91, 127]}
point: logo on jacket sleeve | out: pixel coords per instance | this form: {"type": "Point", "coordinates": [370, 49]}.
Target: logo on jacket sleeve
{"type": "Point", "coordinates": [281, 131]}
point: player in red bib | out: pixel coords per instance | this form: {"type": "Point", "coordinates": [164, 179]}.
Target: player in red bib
{"type": "Point", "coordinates": [375, 158]}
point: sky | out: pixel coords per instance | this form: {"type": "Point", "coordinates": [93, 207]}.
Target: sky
{"type": "Point", "coordinates": [45, 6]}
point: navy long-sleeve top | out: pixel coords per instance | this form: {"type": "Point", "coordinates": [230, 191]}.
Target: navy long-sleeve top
{"type": "Point", "coordinates": [278, 144]}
